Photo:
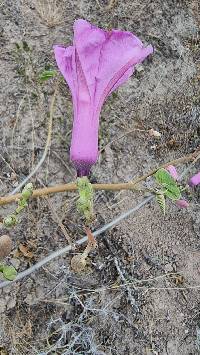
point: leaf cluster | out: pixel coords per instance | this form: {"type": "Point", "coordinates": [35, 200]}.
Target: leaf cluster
{"type": "Point", "coordinates": [168, 187]}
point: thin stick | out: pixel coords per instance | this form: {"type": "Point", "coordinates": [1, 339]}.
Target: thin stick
{"type": "Point", "coordinates": [65, 250]}
{"type": "Point", "coordinates": [108, 187]}
{"type": "Point", "coordinates": [48, 142]}
{"type": "Point", "coordinates": [123, 279]}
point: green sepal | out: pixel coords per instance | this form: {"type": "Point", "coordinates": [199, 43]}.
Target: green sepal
{"type": "Point", "coordinates": [85, 201]}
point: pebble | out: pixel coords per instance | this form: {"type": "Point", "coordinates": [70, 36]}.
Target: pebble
{"type": "Point", "coordinates": [169, 268]}
{"type": "Point", "coordinates": [11, 303]}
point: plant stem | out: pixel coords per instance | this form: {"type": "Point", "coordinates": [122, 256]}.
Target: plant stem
{"type": "Point", "coordinates": [107, 187]}
{"type": "Point", "coordinates": [79, 242]}
{"type": "Point", "coordinates": [46, 149]}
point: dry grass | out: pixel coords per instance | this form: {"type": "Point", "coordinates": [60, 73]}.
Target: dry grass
{"type": "Point", "coordinates": [49, 11]}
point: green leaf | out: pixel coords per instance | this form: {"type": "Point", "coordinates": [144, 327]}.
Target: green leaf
{"type": "Point", "coordinates": [173, 192]}
{"type": "Point", "coordinates": [160, 198]}
{"type": "Point", "coordinates": [9, 272]}
{"type": "Point", "coordinates": [47, 74]}
{"type": "Point", "coordinates": [164, 178]}
{"type": "Point", "coordinates": [1, 267]}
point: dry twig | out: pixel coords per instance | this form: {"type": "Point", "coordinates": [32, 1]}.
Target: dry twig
{"type": "Point", "coordinates": [108, 187]}
{"type": "Point", "coordinates": [46, 149]}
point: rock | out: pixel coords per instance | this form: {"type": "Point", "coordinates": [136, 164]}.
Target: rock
{"type": "Point", "coordinates": [169, 268]}
{"type": "Point", "coordinates": [5, 246]}
{"type": "Point", "coordinates": [11, 303]}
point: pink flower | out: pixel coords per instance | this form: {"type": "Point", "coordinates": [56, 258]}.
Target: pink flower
{"type": "Point", "coordinates": [195, 180]}
{"type": "Point", "coordinates": [173, 172]}
{"type": "Point", "coordinates": [95, 65]}
{"type": "Point", "coordinates": [182, 203]}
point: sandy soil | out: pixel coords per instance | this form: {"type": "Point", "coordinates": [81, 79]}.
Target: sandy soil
{"type": "Point", "coordinates": [56, 311]}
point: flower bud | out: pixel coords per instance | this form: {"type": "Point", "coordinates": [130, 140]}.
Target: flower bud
{"type": "Point", "coordinates": [182, 203]}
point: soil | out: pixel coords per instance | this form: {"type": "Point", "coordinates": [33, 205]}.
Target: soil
{"type": "Point", "coordinates": [57, 311]}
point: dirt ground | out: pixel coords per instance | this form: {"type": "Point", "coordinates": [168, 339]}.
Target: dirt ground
{"type": "Point", "coordinates": [56, 311]}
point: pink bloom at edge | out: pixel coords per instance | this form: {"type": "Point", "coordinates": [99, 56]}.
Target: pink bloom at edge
{"type": "Point", "coordinates": [95, 65]}
{"type": "Point", "coordinates": [173, 172]}
{"type": "Point", "coordinates": [182, 203]}
{"type": "Point", "coordinates": [195, 180]}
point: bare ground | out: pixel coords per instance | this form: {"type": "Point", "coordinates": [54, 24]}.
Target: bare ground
{"type": "Point", "coordinates": [56, 311]}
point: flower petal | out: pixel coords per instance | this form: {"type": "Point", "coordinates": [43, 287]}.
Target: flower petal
{"type": "Point", "coordinates": [120, 52]}
{"type": "Point", "coordinates": [88, 40]}
{"type": "Point", "coordinates": [63, 57]}
{"type": "Point", "coordinates": [107, 58]}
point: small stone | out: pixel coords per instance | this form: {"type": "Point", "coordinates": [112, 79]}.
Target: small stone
{"type": "Point", "coordinates": [139, 68]}
{"type": "Point", "coordinates": [78, 263]}
{"type": "Point", "coordinates": [169, 268]}
{"type": "Point", "coordinates": [5, 246]}
{"type": "Point", "coordinates": [11, 303]}
{"type": "Point", "coordinates": [154, 133]}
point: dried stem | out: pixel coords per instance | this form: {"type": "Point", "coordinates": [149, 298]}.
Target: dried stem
{"type": "Point", "coordinates": [113, 187]}
{"type": "Point", "coordinates": [46, 149]}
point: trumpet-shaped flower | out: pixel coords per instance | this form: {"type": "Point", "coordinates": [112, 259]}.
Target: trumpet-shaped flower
{"type": "Point", "coordinates": [95, 65]}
